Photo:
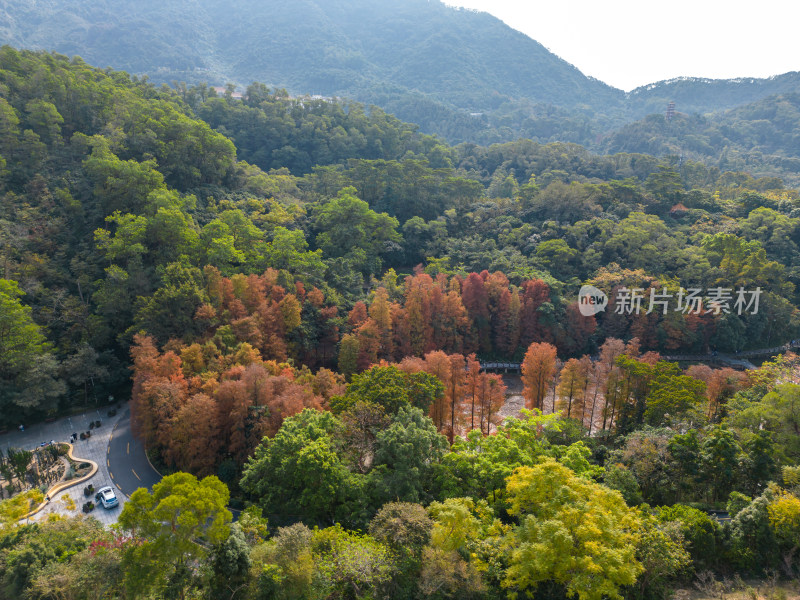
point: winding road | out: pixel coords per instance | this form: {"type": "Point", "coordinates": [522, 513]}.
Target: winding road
{"type": "Point", "coordinates": [126, 459]}
{"type": "Point", "coordinates": [127, 462]}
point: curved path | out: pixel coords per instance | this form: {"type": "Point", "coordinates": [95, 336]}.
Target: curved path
{"type": "Point", "coordinates": [127, 461]}
{"type": "Point", "coordinates": [128, 464]}
{"type": "Point", "coordinates": [60, 486]}
{"type": "Point", "coordinates": [734, 360]}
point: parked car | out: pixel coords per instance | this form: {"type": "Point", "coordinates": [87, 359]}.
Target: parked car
{"type": "Point", "coordinates": [106, 497]}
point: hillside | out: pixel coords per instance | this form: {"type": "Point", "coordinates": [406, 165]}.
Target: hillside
{"type": "Point", "coordinates": [299, 299]}
{"type": "Point", "coordinates": [461, 74]}
{"type": "Point", "coordinates": [117, 194]}
{"type": "Point", "coordinates": [698, 95]}
{"type": "Point", "coordinates": [361, 49]}
{"type": "Point", "coordinates": [761, 137]}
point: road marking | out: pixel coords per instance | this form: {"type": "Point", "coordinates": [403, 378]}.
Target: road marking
{"type": "Point", "coordinates": [116, 484]}
{"type": "Point", "coordinates": [128, 450]}
{"type": "Point", "coordinates": [111, 474]}
{"type": "Point", "coordinates": [137, 477]}
{"type": "Point", "coordinates": [108, 464]}
{"type": "Point", "coordinates": [108, 450]}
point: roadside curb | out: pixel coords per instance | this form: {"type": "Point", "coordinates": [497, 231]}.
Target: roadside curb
{"type": "Point", "coordinates": [64, 485]}
{"type": "Point", "coordinates": [147, 458]}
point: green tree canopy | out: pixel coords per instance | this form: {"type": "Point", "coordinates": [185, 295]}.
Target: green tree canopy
{"type": "Point", "coordinates": [390, 388]}
{"type": "Point", "coordinates": [571, 531]}
{"type": "Point", "coordinates": [299, 473]}
{"type": "Point", "coordinates": [350, 228]}
{"type": "Point", "coordinates": [27, 368]}
{"type": "Point", "coordinates": [169, 522]}
{"type": "Point", "coordinates": [405, 457]}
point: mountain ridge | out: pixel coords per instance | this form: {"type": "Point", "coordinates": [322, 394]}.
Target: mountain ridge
{"type": "Point", "coordinates": [459, 73]}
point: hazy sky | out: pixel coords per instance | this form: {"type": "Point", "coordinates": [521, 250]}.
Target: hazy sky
{"type": "Point", "coordinates": [628, 43]}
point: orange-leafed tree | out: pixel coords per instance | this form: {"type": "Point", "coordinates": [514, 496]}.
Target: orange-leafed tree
{"type": "Point", "coordinates": [491, 396]}
{"type": "Point", "coordinates": [471, 386]}
{"type": "Point", "coordinates": [476, 301]}
{"type": "Point", "coordinates": [357, 315]}
{"type": "Point", "coordinates": [412, 364]}
{"type": "Point", "coordinates": [538, 370]}
{"type": "Point", "coordinates": [571, 388]}
{"type": "Point", "coordinates": [451, 323]}
{"type": "Point", "coordinates": [369, 344]}
{"type": "Point", "coordinates": [721, 384]}
{"type": "Point", "coordinates": [193, 445]}
{"type": "Point", "coordinates": [534, 294]}
{"type": "Point", "coordinates": [158, 402]}
{"type": "Point", "coordinates": [289, 400]}
{"type": "Point", "coordinates": [454, 391]}
{"type": "Point", "coordinates": [235, 416]}
{"type": "Point", "coordinates": [159, 389]}
{"type": "Point", "coordinates": [438, 364]}
{"type": "Point", "coordinates": [418, 313]}
{"type": "Point", "coordinates": [401, 333]}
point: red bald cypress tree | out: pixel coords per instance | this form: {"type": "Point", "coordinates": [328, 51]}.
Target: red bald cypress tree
{"type": "Point", "coordinates": [538, 370]}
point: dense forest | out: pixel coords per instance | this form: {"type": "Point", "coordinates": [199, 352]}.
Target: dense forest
{"type": "Point", "coordinates": [463, 75]}
{"type": "Point", "coordinates": [121, 206]}
{"type": "Point", "coordinates": [302, 291]}
{"type": "Point", "coordinates": [760, 137]}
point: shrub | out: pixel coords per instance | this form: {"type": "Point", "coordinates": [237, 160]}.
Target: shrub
{"type": "Point", "coordinates": [68, 502]}
{"type": "Point", "coordinates": [700, 530]}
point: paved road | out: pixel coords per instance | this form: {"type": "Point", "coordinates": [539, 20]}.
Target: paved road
{"type": "Point", "coordinates": [127, 462]}
{"type": "Point", "coordinates": [95, 448]}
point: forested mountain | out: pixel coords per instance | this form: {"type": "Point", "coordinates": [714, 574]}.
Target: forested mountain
{"type": "Point", "coordinates": [762, 137]}
{"type": "Point", "coordinates": [125, 206]}
{"type": "Point", "coordinates": [700, 95]}
{"type": "Point", "coordinates": [394, 53]}
{"type": "Point", "coordinates": [296, 295]}
{"type": "Point", "coordinates": [458, 73]}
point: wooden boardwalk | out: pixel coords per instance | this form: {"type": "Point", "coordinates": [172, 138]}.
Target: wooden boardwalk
{"type": "Point", "coordinates": [737, 361]}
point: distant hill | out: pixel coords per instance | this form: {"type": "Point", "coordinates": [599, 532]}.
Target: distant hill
{"type": "Point", "coordinates": [357, 48]}
{"type": "Point", "coordinates": [698, 95]}
{"type": "Point", "coordinates": [762, 137]}
{"type": "Point", "coordinates": [462, 74]}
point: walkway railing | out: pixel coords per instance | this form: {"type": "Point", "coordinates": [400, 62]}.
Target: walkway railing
{"type": "Point", "coordinates": [738, 359]}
